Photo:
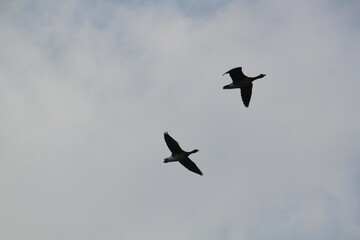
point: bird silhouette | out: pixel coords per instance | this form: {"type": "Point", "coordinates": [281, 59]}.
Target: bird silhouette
{"type": "Point", "coordinates": [179, 155]}
{"type": "Point", "coordinates": [243, 82]}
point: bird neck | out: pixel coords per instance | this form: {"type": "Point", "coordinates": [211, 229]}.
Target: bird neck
{"type": "Point", "coordinates": [193, 151]}
{"type": "Point", "coordinates": [257, 77]}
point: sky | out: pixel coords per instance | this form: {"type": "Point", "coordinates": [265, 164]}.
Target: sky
{"type": "Point", "coordinates": [87, 89]}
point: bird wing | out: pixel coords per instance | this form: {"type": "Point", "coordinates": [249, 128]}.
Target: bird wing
{"type": "Point", "coordinates": [172, 144]}
{"type": "Point", "coordinates": [191, 166]}
{"type": "Point", "coordinates": [236, 74]}
{"type": "Point", "coordinates": [246, 94]}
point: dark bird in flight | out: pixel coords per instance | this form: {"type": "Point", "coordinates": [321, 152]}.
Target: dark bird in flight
{"type": "Point", "coordinates": [243, 82]}
{"type": "Point", "coordinates": [179, 155]}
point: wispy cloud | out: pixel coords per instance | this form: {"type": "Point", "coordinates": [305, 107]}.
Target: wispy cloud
{"type": "Point", "coordinates": [88, 88]}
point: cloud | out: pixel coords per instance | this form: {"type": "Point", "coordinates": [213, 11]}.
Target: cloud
{"type": "Point", "coordinates": [87, 90]}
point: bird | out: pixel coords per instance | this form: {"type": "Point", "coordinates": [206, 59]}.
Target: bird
{"type": "Point", "coordinates": [179, 155]}
{"type": "Point", "coordinates": [243, 82]}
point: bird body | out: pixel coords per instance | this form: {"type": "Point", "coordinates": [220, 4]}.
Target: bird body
{"type": "Point", "coordinates": [237, 85]}
{"type": "Point", "coordinates": [240, 80]}
{"type": "Point", "coordinates": [179, 155]}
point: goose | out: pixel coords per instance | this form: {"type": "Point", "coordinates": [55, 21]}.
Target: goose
{"type": "Point", "coordinates": [179, 155]}
{"type": "Point", "coordinates": [243, 82]}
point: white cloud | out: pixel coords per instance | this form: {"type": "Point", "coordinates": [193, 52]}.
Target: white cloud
{"type": "Point", "coordinates": [87, 90]}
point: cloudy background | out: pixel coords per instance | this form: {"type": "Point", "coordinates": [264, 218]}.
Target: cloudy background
{"type": "Point", "coordinates": [87, 89]}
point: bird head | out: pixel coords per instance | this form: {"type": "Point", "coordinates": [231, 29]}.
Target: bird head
{"type": "Point", "coordinates": [194, 151]}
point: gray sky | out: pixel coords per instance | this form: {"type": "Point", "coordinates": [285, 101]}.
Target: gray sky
{"type": "Point", "coordinates": [87, 89]}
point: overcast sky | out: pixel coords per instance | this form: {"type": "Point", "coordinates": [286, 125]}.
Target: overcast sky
{"type": "Point", "coordinates": [87, 89]}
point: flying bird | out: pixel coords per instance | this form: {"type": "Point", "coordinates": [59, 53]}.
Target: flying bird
{"type": "Point", "coordinates": [179, 155]}
{"type": "Point", "coordinates": [243, 82]}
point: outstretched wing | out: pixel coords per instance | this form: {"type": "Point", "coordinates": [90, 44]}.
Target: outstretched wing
{"type": "Point", "coordinates": [191, 166]}
{"type": "Point", "coordinates": [172, 144]}
{"type": "Point", "coordinates": [246, 94]}
{"type": "Point", "coordinates": [236, 74]}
